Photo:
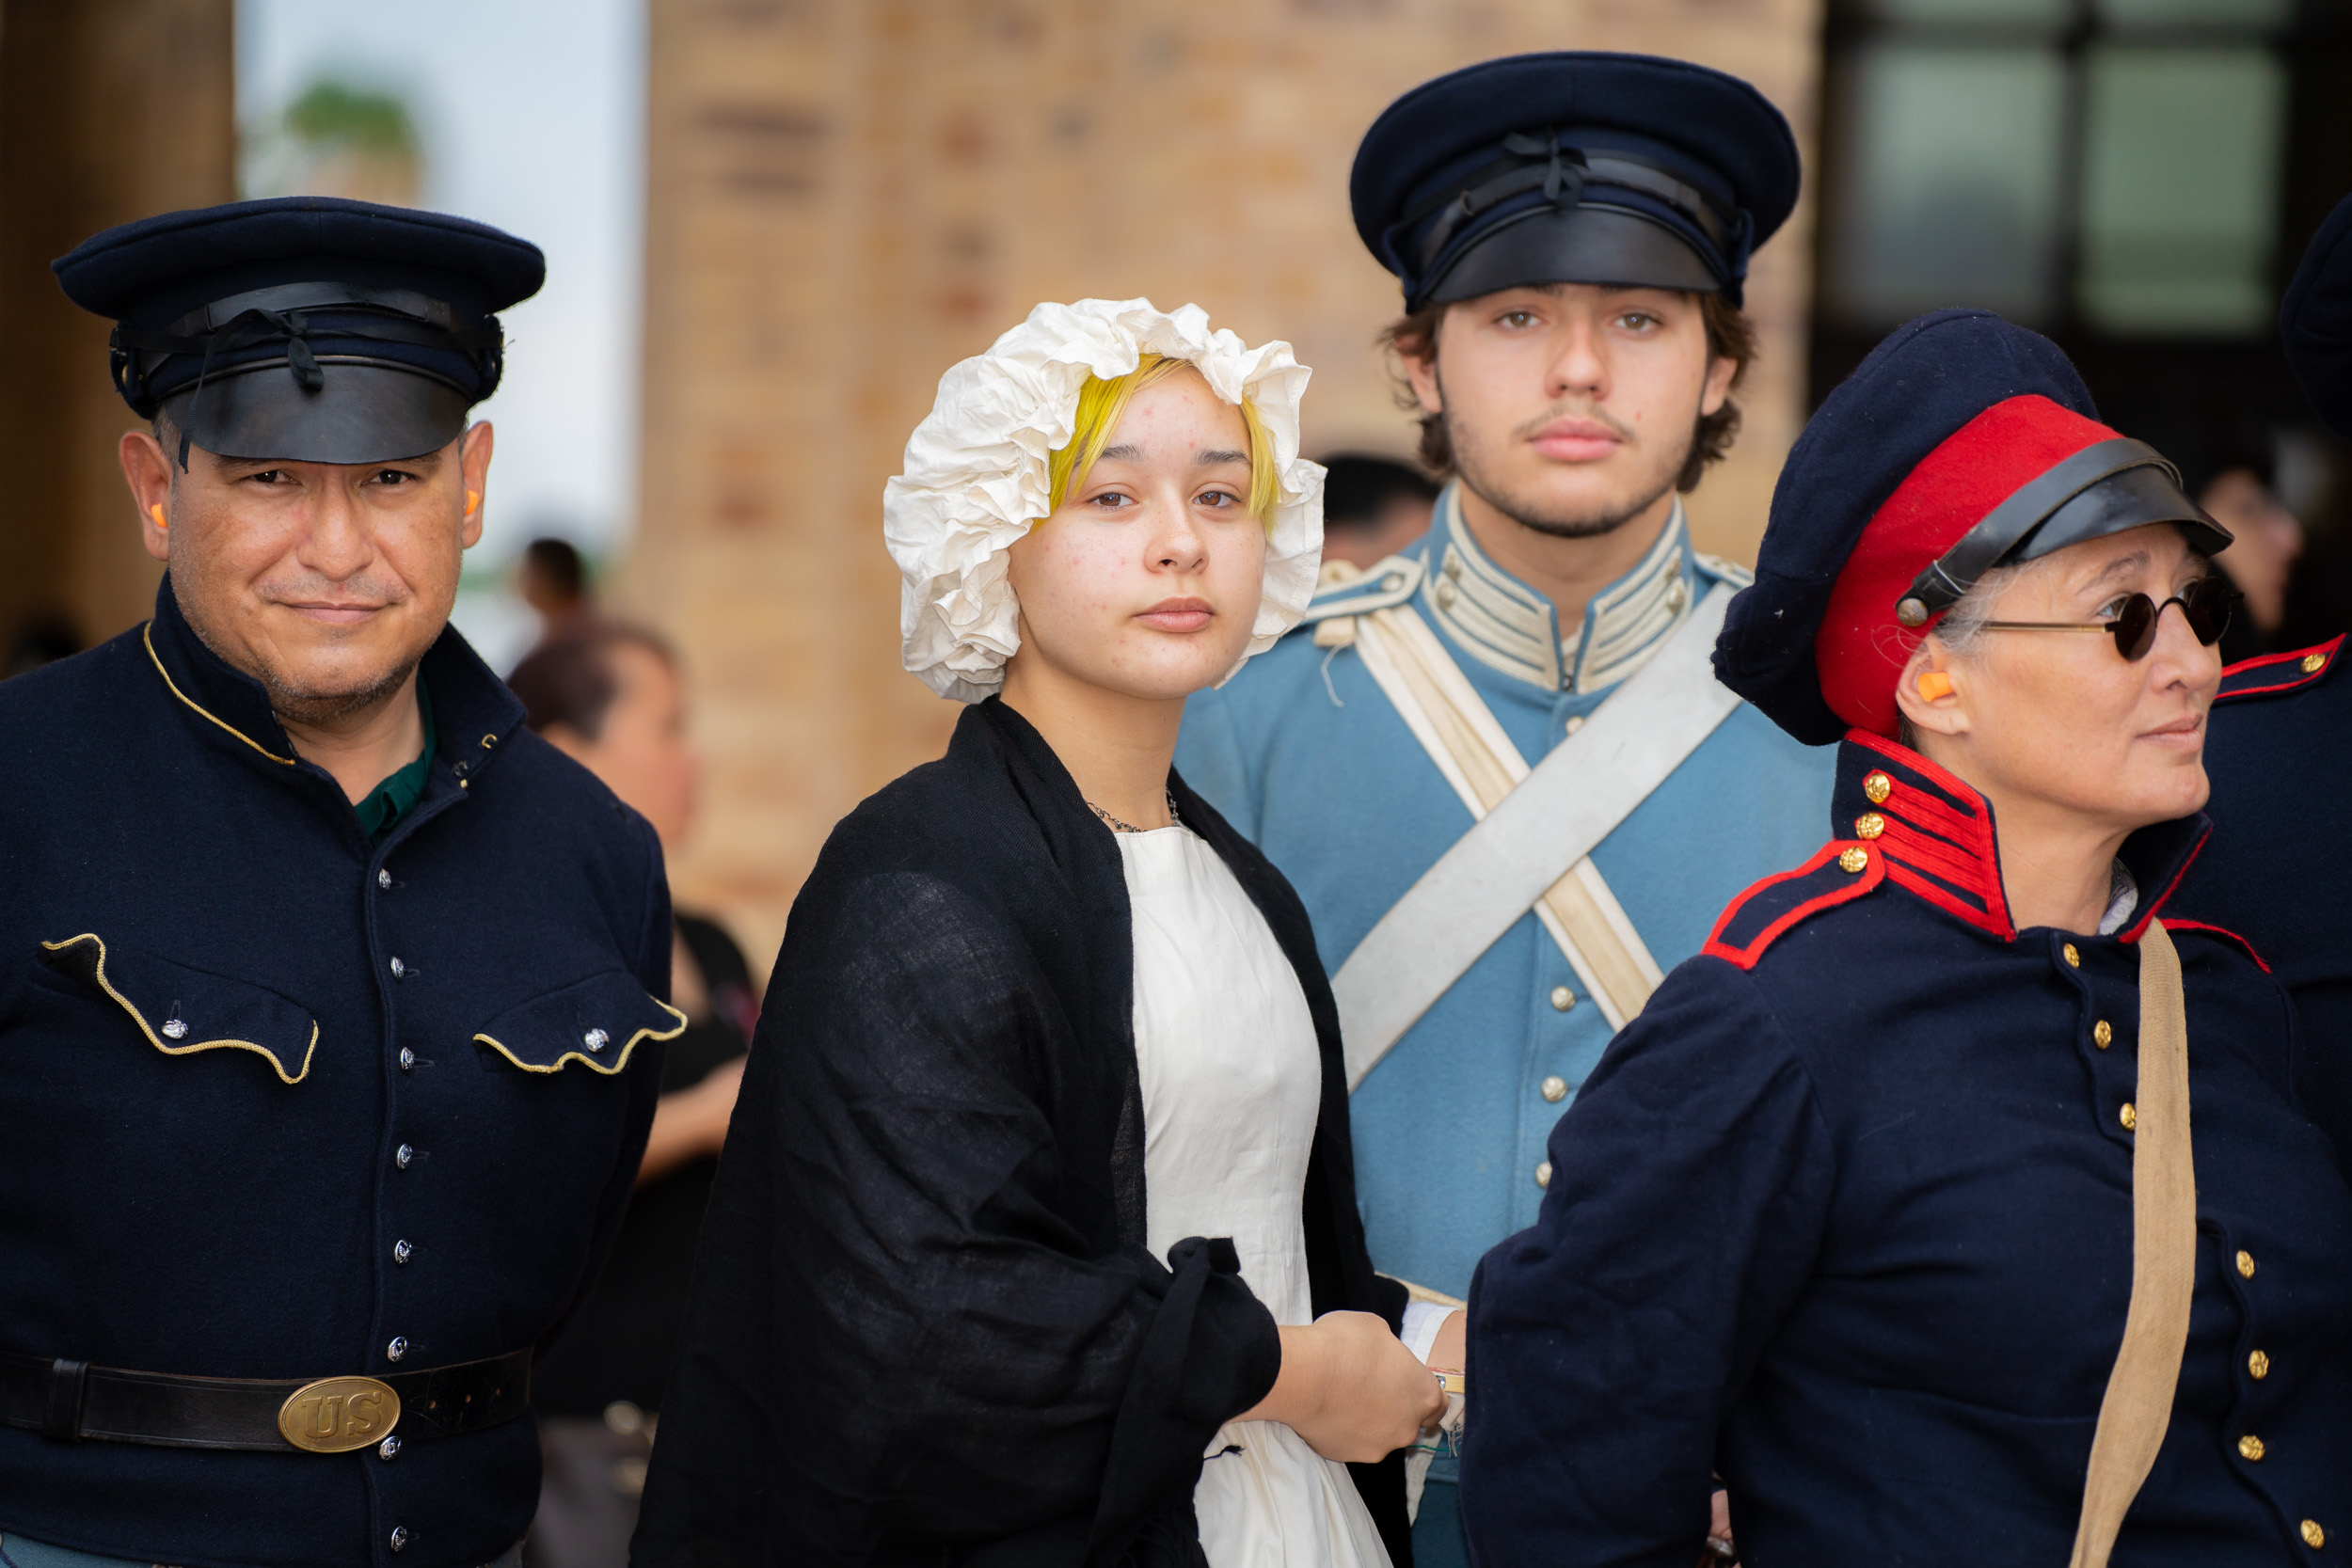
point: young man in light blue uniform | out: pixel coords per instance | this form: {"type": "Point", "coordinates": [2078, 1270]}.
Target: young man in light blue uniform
{"type": "Point", "coordinates": [1571, 231]}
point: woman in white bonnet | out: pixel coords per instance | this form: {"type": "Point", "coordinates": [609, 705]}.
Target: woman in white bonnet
{"type": "Point", "coordinates": [1036, 1241]}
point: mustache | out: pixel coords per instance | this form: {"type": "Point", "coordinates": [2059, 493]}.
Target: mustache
{"type": "Point", "coordinates": [362, 588]}
{"type": "Point", "coordinates": [1616, 427]}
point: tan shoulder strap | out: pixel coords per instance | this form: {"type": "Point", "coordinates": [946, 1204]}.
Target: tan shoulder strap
{"type": "Point", "coordinates": [2139, 1404]}
{"type": "Point", "coordinates": [1468, 743]}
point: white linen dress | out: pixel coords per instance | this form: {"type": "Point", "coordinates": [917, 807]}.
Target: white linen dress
{"type": "Point", "coordinates": [1232, 1085]}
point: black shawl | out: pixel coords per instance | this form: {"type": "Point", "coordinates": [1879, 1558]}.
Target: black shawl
{"type": "Point", "coordinates": [924, 1327]}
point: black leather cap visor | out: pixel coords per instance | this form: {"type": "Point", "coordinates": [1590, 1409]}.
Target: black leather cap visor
{"type": "Point", "coordinates": [2107, 487]}
{"type": "Point", "coordinates": [361, 412]}
{"type": "Point", "coordinates": [1585, 243]}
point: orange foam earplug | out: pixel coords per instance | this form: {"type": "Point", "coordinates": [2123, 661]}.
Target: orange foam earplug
{"type": "Point", "coordinates": [156, 512]}
{"type": "Point", "coordinates": [473, 500]}
{"type": "Point", "coordinates": [1934, 684]}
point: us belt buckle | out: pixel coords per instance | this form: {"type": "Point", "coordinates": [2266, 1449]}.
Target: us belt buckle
{"type": "Point", "coordinates": [336, 1415]}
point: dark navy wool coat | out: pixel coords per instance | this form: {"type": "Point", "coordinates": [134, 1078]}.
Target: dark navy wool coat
{"type": "Point", "coordinates": [223, 1017]}
{"type": "Point", "coordinates": [2278, 868]}
{"type": "Point", "coordinates": [1846, 1216]}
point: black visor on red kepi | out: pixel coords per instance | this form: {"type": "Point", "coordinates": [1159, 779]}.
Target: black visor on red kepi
{"type": "Point", "coordinates": [2105, 488]}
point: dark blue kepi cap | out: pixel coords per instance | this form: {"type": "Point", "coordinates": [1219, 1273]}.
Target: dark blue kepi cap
{"type": "Point", "coordinates": [1573, 167]}
{"type": "Point", "coordinates": [2315, 321]}
{"type": "Point", "coordinates": [307, 328]}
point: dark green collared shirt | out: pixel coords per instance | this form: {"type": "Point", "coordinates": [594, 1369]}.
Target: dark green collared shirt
{"type": "Point", "coordinates": [392, 799]}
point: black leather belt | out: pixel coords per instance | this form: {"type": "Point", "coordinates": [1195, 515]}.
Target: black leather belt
{"type": "Point", "coordinates": [70, 1401]}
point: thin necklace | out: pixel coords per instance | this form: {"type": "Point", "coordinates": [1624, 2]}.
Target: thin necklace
{"type": "Point", "coordinates": [1117, 827]}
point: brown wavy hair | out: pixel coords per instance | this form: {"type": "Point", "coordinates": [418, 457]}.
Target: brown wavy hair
{"type": "Point", "coordinates": [1729, 336]}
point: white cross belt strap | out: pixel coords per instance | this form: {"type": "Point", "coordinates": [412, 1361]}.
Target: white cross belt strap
{"type": "Point", "coordinates": [1532, 842]}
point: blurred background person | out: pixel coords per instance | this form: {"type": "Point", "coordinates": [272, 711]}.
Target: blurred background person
{"type": "Point", "coordinates": [553, 581]}
{"type": "Point", "coordinates": [1373, 507]}
{"type": "Point", "coordinates": [611, 697]}
{"type": "Point", "coordinates": [2228, 462]}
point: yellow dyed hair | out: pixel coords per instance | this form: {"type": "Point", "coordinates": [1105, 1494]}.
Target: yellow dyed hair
{"type": "Point", "coordinates": [1099, 405]}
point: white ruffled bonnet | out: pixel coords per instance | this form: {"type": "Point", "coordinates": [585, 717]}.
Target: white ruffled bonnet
{"type": "Point", "coordinates": [976, 476]}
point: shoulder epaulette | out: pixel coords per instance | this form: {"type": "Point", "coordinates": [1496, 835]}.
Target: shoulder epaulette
{"type": "Point", "coordinates": [1840, 872]}
{"type": "Point", "coordinates": [1345, 590]}
{"type": "Point", "coordinates": [2257, 678]}
{"type": "Point", "coordinates": [1725, 571]}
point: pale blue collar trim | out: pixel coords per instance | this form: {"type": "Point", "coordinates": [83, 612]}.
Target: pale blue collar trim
{"type": "Point", "coordinates": [1508, 626]}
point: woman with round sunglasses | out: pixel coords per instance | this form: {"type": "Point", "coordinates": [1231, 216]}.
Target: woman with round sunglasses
{"type": "Point", "coordinates": [1891, 1210]}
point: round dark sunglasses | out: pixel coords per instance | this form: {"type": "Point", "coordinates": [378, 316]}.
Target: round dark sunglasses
{"type": "Point", "coordinates": [2205, 605]}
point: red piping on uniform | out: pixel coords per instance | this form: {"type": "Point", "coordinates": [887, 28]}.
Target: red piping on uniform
{"type": "Point", "coordinates": [1925, 811]}
{"type": "Point", "coordinates": [1862, 882]}
{"type": "Point", "coordinates": [2220, 932]}
{"type": "Point", "coordinates": [1972, 831]}
{"type": "Point", "coordinates": [2148, 907]}
{"type": "Point", "coordinates": [2326, 650]}
{"type": "Point", "coordinates": [1931, 854]}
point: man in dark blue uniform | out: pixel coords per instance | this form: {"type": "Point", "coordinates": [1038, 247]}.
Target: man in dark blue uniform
{"type": "Point", "coordinates": [2276, 869]}
{"type": "Point", "coordinates": [330, 994]}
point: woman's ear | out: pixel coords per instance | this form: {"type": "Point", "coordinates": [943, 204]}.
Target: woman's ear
{"type": "Point", "coordinates": [1929, 690]}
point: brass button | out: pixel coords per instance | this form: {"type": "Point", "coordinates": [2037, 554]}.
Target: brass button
{"type": "Point", "coordinates": [1555, 1088]}
{"type": "Point", "coordinates": [1877, 786]}
{"type": "Point", "coordinates": [2244, 1265]}
{"type": "Point", "coordinates": [1561, 999]}
{"type": "Point", "coordinates": [1868, 825]}
{"type": "Point", "coordinates": [2250, 1445]}
{"type": "Point", "coordinates": [2259, 1365]}
{"type": "Point", "coordinates": [1675, 595]}
{"type": "Point", "coordinates": [2312, 664]}
{"type": "Point", "coordinates": [2102, 1033]}
{"type": "Point", "coordinates": [1576, 722]}
{"type": "Point", "coordinates": [1447, 592]}
{"type": "Point", "coordinates": [2314, 1536]}
{"type": "Point", "coordinates": [1853, 859]}
{"type": "Point", "coordinates": [2073, 960]}
{"type": "Point", "coordinates": [1543, 1174]}
{"type": "Point", "coordinates": [1453, 565]}
{"type": "Point", "coordinates": [2131, 1117]}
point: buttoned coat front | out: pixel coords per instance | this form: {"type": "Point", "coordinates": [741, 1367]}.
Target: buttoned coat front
{"type": "Point", "coordinates": [279, 1103]}
{"type": "Point", "coordinates": [1846, 1217]}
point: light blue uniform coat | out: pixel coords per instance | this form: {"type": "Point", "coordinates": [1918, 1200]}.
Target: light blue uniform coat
{"type": "Point", "coordinates": [1305, 755]}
